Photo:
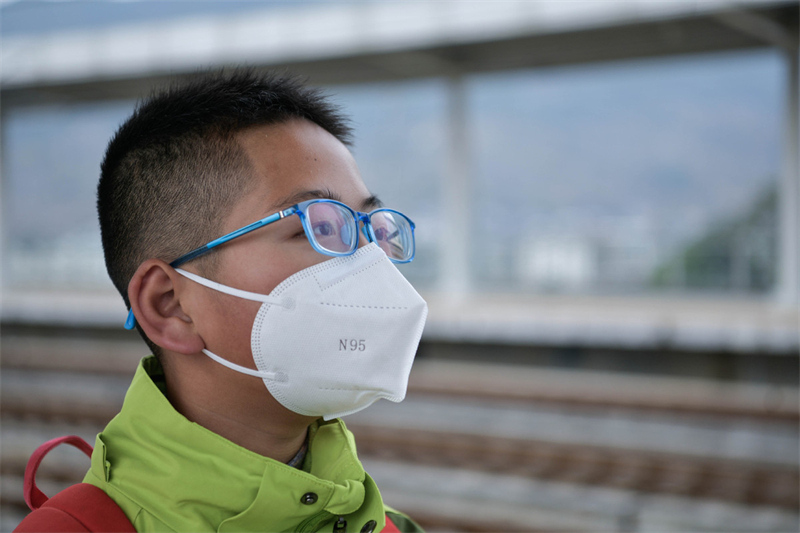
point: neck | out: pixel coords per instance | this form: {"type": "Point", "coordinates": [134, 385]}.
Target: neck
{"type": "Point", "coordinates": [235, 406]}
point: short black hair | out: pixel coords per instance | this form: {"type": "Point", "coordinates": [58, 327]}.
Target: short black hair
{"type": "Point", "coordinates": [174, 168]}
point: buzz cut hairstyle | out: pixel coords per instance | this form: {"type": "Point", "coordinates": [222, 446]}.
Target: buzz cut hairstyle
{"type": "Point", "coordinates": [174, 168]}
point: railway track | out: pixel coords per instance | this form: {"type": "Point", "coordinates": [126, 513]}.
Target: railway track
{"type": "Point", "coordinates": [78, 391]}
{"type": "Point", "coordinates": [747, 483]}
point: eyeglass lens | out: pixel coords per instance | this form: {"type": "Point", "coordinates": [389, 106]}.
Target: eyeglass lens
{"type": "Point", "coordinates": [334, 227]}
{"type": "Point", "coordinates": [393, 234]}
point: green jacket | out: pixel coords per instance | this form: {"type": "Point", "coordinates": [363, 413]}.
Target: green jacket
{"type": "Point", "coordinates": [169, 474]}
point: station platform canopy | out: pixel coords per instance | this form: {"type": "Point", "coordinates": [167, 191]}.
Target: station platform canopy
{"type": "Point", "coordinates": [335, 43]}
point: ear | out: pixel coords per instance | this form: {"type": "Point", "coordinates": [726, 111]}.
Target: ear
{"type": "Point", "coordinates": [156, 305]}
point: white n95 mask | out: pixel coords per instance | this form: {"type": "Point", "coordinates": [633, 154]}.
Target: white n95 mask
{"type": "Point", "coordinates": [336, 337]}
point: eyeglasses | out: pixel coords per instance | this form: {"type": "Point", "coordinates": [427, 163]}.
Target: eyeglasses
{"type": "Point", "coordinates": [332, 228]}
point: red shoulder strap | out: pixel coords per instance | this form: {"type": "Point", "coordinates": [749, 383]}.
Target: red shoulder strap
{"type": "Point", "coordinates": [81, 508]}
{"type": "Point", "coordinates": [389, 527]}
{"type": "Point", "coordinates": [33, 496]}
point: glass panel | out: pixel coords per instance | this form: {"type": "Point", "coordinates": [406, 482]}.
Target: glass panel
{"type": "Point", "coordinates": [630, 177]}
{"type": "Point", "coordinates": [51, 165]}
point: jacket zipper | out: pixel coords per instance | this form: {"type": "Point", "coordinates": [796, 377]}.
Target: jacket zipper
{"type": "Point", "coordinates": [314, 522]}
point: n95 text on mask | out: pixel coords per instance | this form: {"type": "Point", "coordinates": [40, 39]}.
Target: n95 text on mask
{"type": "Point", "coordinates": [352, 345]}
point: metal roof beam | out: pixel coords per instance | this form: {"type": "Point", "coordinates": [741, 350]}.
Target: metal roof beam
{"type": "Point", "coordinates": [759, 26]}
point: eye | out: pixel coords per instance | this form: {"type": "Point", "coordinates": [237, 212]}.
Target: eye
{"type": "Point", "coordinates": [324, 229]}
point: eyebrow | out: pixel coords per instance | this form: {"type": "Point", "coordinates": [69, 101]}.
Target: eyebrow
{"type": "Point", "coordinates": [371, 202]}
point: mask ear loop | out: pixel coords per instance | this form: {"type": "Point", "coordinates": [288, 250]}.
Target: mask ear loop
{"type": "Point", "coordinates": [247, 295]}
{"type": "Point", "coordinates": [272, 376]}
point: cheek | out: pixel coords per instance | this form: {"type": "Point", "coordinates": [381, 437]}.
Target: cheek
{"type": "Point", "coordinates": [227, 323]}
{"type": "Point", "coordinates": [281, 266]}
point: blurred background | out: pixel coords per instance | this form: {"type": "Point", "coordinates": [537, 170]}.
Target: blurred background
{"type": "Point", "coordinates": [606, 196]}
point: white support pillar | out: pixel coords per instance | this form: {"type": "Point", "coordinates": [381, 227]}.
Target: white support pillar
{"type": "Point", "coordinates": [788, 286]}
{"type": "Point", "coordinates": [454, 271]}
{"type": "Point", "coordinates": [4, 204]}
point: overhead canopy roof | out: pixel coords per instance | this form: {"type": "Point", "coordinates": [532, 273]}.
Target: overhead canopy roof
{"type": "Point", "coordinates": [348, 43]}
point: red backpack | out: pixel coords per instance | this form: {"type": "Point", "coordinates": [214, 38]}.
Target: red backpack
{"type": "Point", "coordinates": [77, 509]}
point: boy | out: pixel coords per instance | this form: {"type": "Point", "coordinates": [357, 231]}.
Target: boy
{"type": "Point", "coordinates": [258, 268]}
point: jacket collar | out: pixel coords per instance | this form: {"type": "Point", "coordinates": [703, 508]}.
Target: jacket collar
{"type": "Point", "coordinates": [195, 480]}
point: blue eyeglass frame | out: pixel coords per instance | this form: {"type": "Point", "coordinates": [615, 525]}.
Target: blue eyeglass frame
{"type": "Point", "coordinates": [300, 210]}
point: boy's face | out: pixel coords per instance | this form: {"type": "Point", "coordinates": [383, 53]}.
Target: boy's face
{"type": "Point", "coordinates": [291, 162]}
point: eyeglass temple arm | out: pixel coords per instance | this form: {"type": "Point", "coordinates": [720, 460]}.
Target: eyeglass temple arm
{"type": "Point", "coordinates": [130, 322]}
{"type": "Point", "coordinates": [197, 252]}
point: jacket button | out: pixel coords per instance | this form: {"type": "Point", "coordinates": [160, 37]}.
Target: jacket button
{"type": "Point", "coordinates": [309, 498]}
{"type": "Point", "coordinates": [369, 527]}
